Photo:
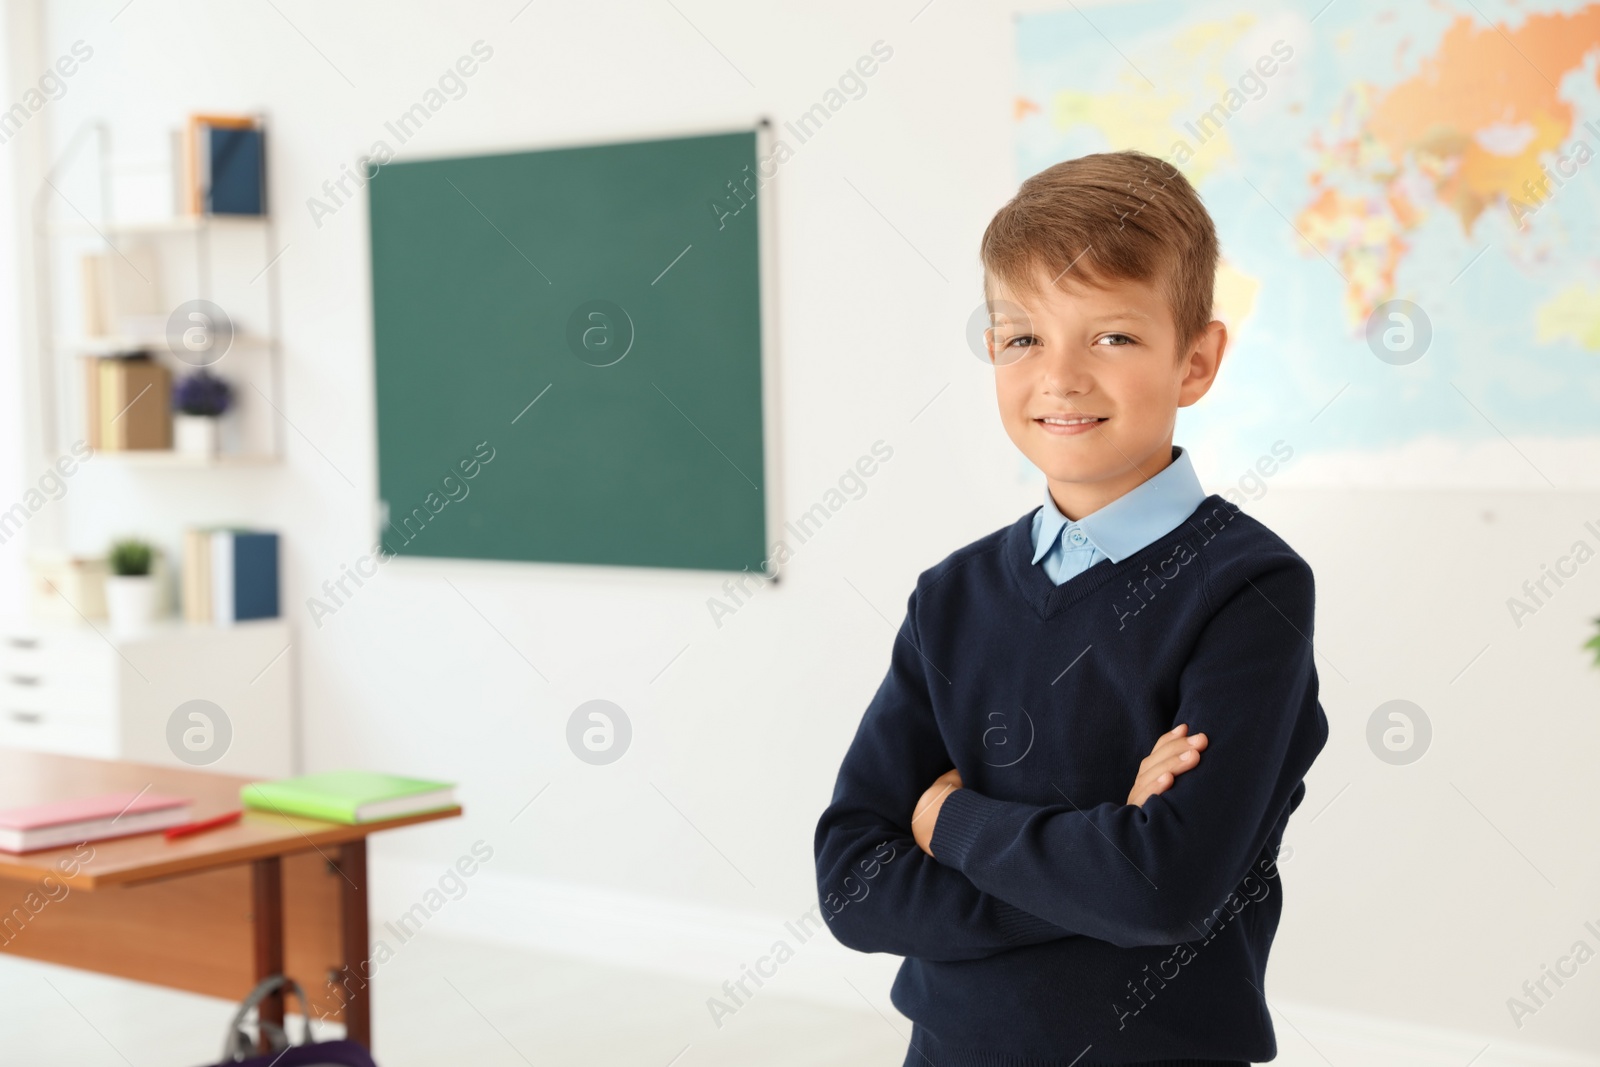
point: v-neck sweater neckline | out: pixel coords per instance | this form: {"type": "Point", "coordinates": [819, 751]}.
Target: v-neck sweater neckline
{"type": "Point", "coordinates": [1048, 599]}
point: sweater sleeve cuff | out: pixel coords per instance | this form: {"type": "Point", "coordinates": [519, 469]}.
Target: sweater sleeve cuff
{"type": "Point", "coordinates": [961, 819]}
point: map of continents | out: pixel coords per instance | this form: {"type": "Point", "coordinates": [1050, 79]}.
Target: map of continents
{"type": "Point", "coordinates": [1408, 198]}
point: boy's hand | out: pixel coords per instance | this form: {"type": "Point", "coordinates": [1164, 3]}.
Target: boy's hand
{"type": "Point", "coordinates": [927, 810]}
{"type": "Point", "coordinates": [1173, 754]}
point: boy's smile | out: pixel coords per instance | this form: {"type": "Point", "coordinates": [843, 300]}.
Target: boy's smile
{"type": "Point", "coordinates": [1069, 424]}
{"type": "Point", "coordinates": [1089, 382]}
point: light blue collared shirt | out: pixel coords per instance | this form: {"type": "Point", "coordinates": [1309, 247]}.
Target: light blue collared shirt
{"type": "Point", "coordinates": [1121, 528]}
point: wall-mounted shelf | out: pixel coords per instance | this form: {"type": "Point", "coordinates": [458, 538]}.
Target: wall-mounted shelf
{"type": "Point", "coordinates": [182, 224]}
{"type": "Point", "coordinates": [105, 346]}
{"type": "Point", "coordinates": [150, 457]}
{"type": "Point", "coordinates": [225, 260]}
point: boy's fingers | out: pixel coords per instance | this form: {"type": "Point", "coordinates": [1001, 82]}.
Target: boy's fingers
{"type": "Point", "coordinates": [1177, 764]}
{"type": "Point", "coordinates": [1147, 789]}
{"type": "Point", "coordinates": [1173, 754]}
{"type": "Point", "coordinates": [1174, 746]}
{"type": "Point", "coordinates": [1175, 736]}
{"type": "Point", "coordinates": [928, 801]}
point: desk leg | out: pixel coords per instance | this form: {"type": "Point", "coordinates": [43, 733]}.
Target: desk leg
{"type": "Point", "coordinates": [266, 878]}
{"type": "Point", "coordinates": [354, 939]}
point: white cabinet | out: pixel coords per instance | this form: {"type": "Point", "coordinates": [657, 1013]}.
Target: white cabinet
{"type": "Point", "coordinates": [215, 698]}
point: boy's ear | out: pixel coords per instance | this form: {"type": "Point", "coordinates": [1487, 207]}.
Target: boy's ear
{"type": "Point", "coordinates": [1201, 364]}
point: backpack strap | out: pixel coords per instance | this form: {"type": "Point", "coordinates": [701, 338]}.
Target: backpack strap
{"type": "Point", "coordinates": [237, 1045]}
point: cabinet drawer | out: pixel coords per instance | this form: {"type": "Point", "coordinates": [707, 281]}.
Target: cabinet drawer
{"type": "Point", "coordinates": [81, 659]}
{"type": "Point", "coordinates": [78, 703]}
{"type": "Point", "coordinates": [44, 731]}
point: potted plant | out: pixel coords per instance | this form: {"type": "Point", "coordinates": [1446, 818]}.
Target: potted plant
{"type": "Point", "coordinates": [200, 399]}
{"type": "Point", "coordinates": [130, 587]}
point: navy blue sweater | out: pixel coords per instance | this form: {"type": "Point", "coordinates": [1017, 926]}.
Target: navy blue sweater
{"type": "Point", "coordinates": [1056, 923]}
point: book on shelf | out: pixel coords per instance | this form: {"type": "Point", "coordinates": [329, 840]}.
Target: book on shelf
{"type": "Point", "coordinates": [96, 818]}
{"type": "Point", "coordinates": [196, 578]}
{"type": "Point", "coordinates": [229, 575]}
{"type": "Point", "coordinates": [122, 293]}
{"type": "Point", "coordinates": [224, 171]}
{"type": "Point", "coordinates": [91, 403]}
{"type": "Point", "coordinates": [349, 796]}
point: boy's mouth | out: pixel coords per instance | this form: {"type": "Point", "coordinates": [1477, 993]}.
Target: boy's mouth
{"type": "Point", "coordinates": [1067, 425]}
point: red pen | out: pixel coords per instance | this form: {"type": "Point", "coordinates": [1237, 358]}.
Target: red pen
{"type": "Point", "coordinates": [188, 828]}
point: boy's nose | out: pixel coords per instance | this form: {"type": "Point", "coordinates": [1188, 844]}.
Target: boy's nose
{"type": "Point", "coordinates": [1065, 372]}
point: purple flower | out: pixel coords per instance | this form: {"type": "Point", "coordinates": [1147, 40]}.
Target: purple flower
{"type": "Point", "coordinates": [202, 393]}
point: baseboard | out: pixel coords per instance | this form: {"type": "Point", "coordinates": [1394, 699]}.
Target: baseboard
{"type": "Point", "coordinates": [1306, 1027]}
{"type": "Point", "coordinates": [723, 948]}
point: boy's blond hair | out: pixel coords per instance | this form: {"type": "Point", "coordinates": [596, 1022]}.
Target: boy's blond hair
{"type": "Point", "coordinates": [1112, 216]}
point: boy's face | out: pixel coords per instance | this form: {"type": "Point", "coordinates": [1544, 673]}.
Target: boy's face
{"type": "Point", "coordinates": [1089, 383]}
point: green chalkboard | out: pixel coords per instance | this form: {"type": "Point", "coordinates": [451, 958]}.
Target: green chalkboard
{"type": "Point", "coordinates": [579, 330]}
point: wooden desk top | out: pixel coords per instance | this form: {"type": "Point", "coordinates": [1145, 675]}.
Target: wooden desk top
{"type": "Point", "coordinates": [38, 778]}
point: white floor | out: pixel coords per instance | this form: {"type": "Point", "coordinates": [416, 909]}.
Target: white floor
{"type": "Point", "coordinates": [448, 1001]}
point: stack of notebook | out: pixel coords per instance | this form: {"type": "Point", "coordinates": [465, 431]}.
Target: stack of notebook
{"type": "Point", "coordinates": [229, 575]}
{"type": "Point", "coordinates": [349, 796]}
{"type": "Point", "coordinates": [70, 822]}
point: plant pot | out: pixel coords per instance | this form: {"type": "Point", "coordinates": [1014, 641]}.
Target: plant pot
{"type": "Point", "coordinates": [130, 602]}
{"type": "Point", "coordinates": [196, 435]}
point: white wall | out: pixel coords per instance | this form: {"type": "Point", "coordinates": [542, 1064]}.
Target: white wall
{"type": "Point", "coordinates": [1425, 893]}
{"type": "Point", "coordinates": [18, 50]}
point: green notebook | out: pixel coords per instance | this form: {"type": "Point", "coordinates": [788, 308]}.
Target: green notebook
{"type": "Point", "coordinates": [349, 796]}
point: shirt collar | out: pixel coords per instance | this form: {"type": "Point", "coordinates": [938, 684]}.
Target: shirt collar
{"type": "Point", "coordinates": [1136, 518]}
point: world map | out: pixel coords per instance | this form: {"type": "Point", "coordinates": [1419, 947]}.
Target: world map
{"type": "Point", "coordinates": [1408, 203]}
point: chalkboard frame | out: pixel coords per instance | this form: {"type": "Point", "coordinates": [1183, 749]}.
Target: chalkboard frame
{"type": "Point", "coordinates": [402, 528]}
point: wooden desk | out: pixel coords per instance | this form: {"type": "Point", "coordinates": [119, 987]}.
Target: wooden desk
{"type": "Point", "coordinates": [211, 913]}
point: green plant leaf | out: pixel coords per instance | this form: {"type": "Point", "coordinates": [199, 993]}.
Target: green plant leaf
{"type": "Point", "coordinates": [130, 558]}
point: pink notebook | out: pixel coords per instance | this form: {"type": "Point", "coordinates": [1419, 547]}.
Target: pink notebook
{"type": "Point", "coordinates": [68, 822]}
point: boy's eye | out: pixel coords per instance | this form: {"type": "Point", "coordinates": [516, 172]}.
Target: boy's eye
{"type": "Point", "coordinates": [1024, 341]}
{"type": "Point", "coordinates": [1115, 336]}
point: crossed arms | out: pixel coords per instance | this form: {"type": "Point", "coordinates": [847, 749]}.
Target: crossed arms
{"type": "Point", "coordinates": [955, 875]}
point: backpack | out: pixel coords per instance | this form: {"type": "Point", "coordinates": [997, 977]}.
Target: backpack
{"type": "Point", "coordinates": [238, 1048]}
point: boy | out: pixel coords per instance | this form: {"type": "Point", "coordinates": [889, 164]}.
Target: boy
{"type": "Point", "coordinates": [1009, 816]}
